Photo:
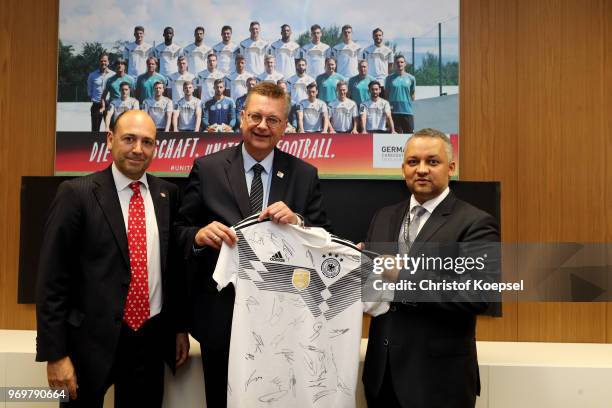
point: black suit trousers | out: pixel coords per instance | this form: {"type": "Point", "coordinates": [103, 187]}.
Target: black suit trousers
{"type": "Point", "coordinates": [137, 371]}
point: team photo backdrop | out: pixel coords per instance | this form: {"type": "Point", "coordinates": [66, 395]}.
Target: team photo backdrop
{"type": "Point", "coordinates": [425, 34]}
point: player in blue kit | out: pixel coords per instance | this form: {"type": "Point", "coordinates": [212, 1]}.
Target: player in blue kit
{"type": "Point", "coordinates": [400, 88]}
{"type": "Point", "coordinates": [218, 113]}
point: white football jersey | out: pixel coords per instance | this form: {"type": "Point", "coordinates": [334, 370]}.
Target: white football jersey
{"type": "Point", "coordinates": [206, 83]}
{"type": "Point", "coordinates": [346, 56]}
{"type": "Point", "coordinates": [118, 106]}
{"type": "Point", "coordinates": [226, 54]}
{"type": "Point", "coordinates": [315, 58]}
{"type": "Point", "coordinates": [376, 118]}
{"type": "Point", "coordinates": [296, 327]}
{"type": "Point", "coordinates": [254, 53]}
{"type": "Point", "coordinates": [236, 83]}
{"type": "Point", "coordinates": [341, 114]}
{"type": "Point", "coordinates": [167, 56]}
{"type": "Point", "coordinates": [158, 110]}
{"type": "Point", "coordinates": [137, 57]}
{"type": "Point", "coordinates": [285, 53]}
{"type": "Point", "coordinates": [297, 87]}
{"type": "Point", "coordinates": [312, 112]}
{"type": "Point", "coordinates": [379, 59]}
{"type": "Point", "coordinates": [273, 77]}
{"type": "Point", "coordinates": [196, 57]}
{"type": "Point", "coordinates": [176, 81]}
{"type": "Point", "coordinates": [187, 110]}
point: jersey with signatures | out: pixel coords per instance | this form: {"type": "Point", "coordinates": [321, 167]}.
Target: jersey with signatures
{"type": "Point", "coordinates": [296, 328]}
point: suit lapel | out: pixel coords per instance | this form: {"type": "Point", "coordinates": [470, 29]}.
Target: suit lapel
{"type": "Point", "coordinates": [435, 221]}
{"type": "Point", "coordinates": [395, 224]}
{"type": "Point", "coordinates": [108, 199]}
{"type": "Point", "coordinates": [279, 176]}
{"type": "Point", "coordinates": [161, 205]}
{"type": "Point", "coordinates": [234, 170]}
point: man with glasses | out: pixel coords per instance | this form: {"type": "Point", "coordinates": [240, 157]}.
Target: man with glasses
{"type": "Point", "coordinates": [224, 188]}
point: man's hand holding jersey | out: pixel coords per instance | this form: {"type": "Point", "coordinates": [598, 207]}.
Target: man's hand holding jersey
{"type": "Point", "coordinates": [215, 234]}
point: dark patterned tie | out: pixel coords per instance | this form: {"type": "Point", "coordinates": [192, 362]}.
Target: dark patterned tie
{"type": "Point", "coordinates": [137, 308]}
{"type": "Point", "coordinates": [256, 196]}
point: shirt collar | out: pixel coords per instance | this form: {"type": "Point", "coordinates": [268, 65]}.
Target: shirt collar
{"type": "Point", "coordinates": [249, 161]}
{"type": "Point", "coordinates": [429, 205]}
{"type": "Point", "coordinates": [122, 181]}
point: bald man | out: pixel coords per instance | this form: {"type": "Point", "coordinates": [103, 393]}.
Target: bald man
{"type": "Point", "coordinates": [109, 284]}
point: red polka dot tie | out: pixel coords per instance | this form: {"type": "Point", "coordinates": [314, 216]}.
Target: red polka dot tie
{"type": "Point", "coordinates": [137, 304]}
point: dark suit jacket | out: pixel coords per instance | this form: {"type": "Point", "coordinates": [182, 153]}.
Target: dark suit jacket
{"type": "Point", "coordinates": [217, 191]}
{"type": "Point", "coordinates": [430, 347]}
{"type": "Point", "coordinates": [84, 275]}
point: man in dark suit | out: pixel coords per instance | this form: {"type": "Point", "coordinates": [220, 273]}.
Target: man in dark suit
{"type": "Point", "coordinates": [107, 310]}
{"type": "Point", "coordinates": [423, 355]}
{"type": "Point", "coordinates": [225, 188]}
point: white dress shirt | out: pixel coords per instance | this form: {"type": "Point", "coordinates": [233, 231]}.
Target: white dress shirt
{"type": "Point", "coordinates": [429, 207]}
{"type": "Point", "coordinates": [122, 183]}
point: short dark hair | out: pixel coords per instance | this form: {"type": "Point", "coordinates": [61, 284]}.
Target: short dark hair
{"type": "Point", "coordinates": [158, 83]}
{"type": "Point", "coordinates": [199, 28]}
{"type": "Point", "coordinates": [139, 28]}
{"type": "Point", "coordinates": [371, 84]}
{"type": "Point", "coordinates": [272, 91]}
{"type": "Point", "coordinates": [254, 23]}
{"type": "Point", "coordinates": [285, 25]}
{"type": "Point", "coordinates": [219, 81]}
{"type": "Point", "coordinates": [377, 30]}
{"type": "Point", "coordinates": [168, 28]}
{"type": "Point", "coordinates": [240, 57]}
{"type": "Point", "coordinates": [312, 85]}
{"type": "Point", "coordinates": [315, 27]}
{"type": "Point", "coordinates": [121, 61]}
{"type": "Point", "coordinates": [124, 83]}
{"type": "Point", "coordinates": [344, 27]}
{"type": "Point", "coordinates": [226, 27]}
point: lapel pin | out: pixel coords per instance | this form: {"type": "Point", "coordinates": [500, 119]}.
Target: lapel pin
{"type": "Point", "coordinates": [163, 194]}
{"type": "Point", "coordinates": [280, 174]}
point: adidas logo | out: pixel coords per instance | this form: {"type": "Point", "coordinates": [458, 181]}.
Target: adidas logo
{"type": "Point", "coordinates": [277, 257]}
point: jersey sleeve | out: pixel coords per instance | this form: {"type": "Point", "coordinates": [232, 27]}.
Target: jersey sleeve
{"type": "Point", "coordinates": [387, 107]}
{"type": "Point", "coordinates": [204, 108]}
{"type": "Point", "coordinates": [390, 57]}
{"type": "Point", "coordinates": [362, 108]}
{"type": "Point", "coordinates": [375, 308]}
{"type": "Point", "coordinates": [226, 271]}
{"type": "Point", "coordinates": [232, 114]}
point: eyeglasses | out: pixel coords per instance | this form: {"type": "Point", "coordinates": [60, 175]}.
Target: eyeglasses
{"type": "Point", "coordinates": [256, 118]}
